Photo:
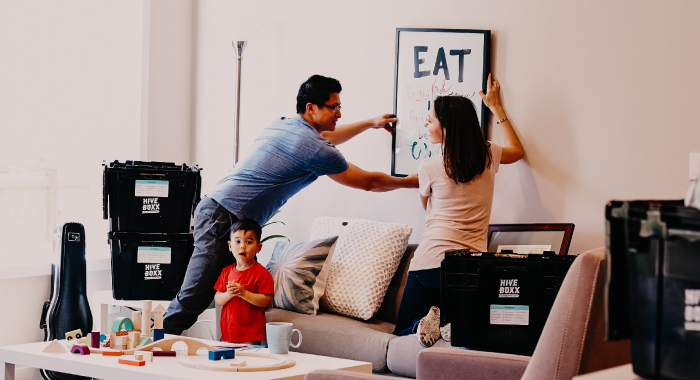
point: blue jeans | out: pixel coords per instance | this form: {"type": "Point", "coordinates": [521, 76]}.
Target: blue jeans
{"type": "Point", "coordinates": [422, 292]}
{"type": "Point", "coordinates": [211, 255]}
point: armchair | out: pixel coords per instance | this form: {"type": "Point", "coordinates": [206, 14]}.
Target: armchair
{"type": "Point", "coordinates": [572, 342]}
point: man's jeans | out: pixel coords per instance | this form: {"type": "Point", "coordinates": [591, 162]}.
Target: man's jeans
{"type": "Point", "coordinates": [211, 255]}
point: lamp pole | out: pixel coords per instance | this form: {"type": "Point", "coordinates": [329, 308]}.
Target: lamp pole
{"type": "Point", "coordinates": [238, 46]}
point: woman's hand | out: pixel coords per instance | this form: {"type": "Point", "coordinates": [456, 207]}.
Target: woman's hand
{"type": "Point", "coordinates": [492, 98]}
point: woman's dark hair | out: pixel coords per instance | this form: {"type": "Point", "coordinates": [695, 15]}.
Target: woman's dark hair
{"type": "Point", "coordinates": [247, 225]}
{"type": "Point", "coordinates": [466, 152]}
{"type": "Point", "coordinates": [316, 90]}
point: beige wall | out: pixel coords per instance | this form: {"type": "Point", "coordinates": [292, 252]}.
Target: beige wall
{"type": "Point", "coordinates": [602, 94]}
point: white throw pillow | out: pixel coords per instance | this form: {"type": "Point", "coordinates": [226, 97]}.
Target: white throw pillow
{"type": "Point", "coordinates": [365, 259]}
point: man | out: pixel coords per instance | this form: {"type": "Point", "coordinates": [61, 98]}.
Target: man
{"type": "Point", "coordinates": [287, 156]}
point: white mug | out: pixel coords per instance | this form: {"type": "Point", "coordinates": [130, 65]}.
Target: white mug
{"type": "Point", "coordinates": [279, 337]}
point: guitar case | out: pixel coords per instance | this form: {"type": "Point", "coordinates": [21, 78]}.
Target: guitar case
{"type": "Point", "coordinates": [68, 308]}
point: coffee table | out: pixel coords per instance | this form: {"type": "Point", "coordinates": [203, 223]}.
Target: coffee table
{"type": "Point", "coordinates": [162, 368]}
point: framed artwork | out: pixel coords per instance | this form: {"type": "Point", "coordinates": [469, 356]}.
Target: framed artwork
{"type": "Point", "coordinates": [432, 63]}
{"type": "Point", "coordinates": [530, 238]}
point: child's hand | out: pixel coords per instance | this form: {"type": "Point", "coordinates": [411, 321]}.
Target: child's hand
{"type": "Point", "coordinates": [235, 289]}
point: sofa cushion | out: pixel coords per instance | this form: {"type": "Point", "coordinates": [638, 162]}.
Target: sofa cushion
{"type": "Point", "coordinates": [366, 257]}
{"type": "Point", "coordinates": [402, 355]}
{"type": "Point", "coordinates": [300, 272]}
{"type": "Point", "coordinates": [340, 337]}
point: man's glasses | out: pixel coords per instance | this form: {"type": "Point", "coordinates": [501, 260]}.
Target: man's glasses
{"type": "Point", "coordinates": [334, 108]}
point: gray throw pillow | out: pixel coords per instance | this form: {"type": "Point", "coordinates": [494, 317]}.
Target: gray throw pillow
{"type": "Point", "coordinates": [300, 274]}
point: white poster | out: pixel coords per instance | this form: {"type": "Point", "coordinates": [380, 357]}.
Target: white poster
{"type": "Point", "coordinates": [432, 63]}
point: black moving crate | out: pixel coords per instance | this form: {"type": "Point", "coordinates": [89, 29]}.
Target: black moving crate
{"type": "Point", "coordinates": [659, 244]}
{"type": "Point", "coordinates": [149, 266]}
{"type": "Point", "coordinates": [499, 302]}
{"type": "Point", "coordinates": [150, 196]}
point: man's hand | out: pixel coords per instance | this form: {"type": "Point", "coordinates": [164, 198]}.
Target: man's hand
{"type": "Point", "coordinates": [383, 121]}
{"type": "Point", "coordinates": [345, 132]}
{"type": "Point", "coordinates": [413, 180]}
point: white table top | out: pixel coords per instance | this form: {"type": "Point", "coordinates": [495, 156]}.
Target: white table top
{"type": "Point", "coordinates": [623, 372]}
{"type": "Point", "coordinates": [108, 367]}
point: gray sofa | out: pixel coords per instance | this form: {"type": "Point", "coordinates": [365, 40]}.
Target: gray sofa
{"type": "Point", "coordinates": [371, 341]}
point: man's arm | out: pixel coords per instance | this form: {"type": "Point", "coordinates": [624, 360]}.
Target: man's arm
{"type": "Point", "coordinates": [345, 132]}
{"type": "Point", "coordinates": [373, 181]}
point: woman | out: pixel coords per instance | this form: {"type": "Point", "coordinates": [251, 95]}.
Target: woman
{"type": "Point", "coordinates": [456, 191]}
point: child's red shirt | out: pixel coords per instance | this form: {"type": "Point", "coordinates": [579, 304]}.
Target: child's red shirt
{"type": "Point", "coordinates": [241, 321]}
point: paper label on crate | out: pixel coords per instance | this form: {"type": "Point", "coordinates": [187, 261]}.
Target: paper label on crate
{"type": "Point", "coordinates": [153, 255]}
{"type": "Point", "coordinates": [151, 188]}
{"type": "Point", "coordinates": [692, 310]}
{"type": "Point", "coordinates": [510, 315]}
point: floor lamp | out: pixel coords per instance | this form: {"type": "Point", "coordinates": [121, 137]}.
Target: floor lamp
{"type": "Point", "coordinates": [238, 46]}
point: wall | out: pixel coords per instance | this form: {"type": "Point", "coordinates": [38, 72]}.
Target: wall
{"type": "Point", "coordinates": [117, 73]}
{"type": "Point", "coordinates": [601, 94]}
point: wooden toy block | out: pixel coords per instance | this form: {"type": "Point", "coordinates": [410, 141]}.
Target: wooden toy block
{"type": "Point", "coordinates": [164, 353]}
{"type": "Point", "coordinates": [158, 334]}
{"type": "Point", "coordinates": [80, 349]}
{"type": "Point", "coordinates": [122, 340]}
{"type": "Point", "coordinates": [55, 348]}
{"type": "Point", "coordinates": [95, 339]}
{"type": "Point", "coordinates": [159, 309]}
{"type": "Point", "coordinates": [122, 323]}
{"type": "Point", "coordinates": [143, 355]}
{"type": "Point", "coordinates": [75, 334]}
{"type": "Point", "coordinates": [131, 345]}
{"type": "Point", "coordinates": [136, 318]}
{"type": "Point", "coordinates": [146, 319]}
{"type": "Point", "coordinates": [237, 363]}
{"type": "Point", "coordinates": [144, 341]}
{"type": "Point", "coordinates": [137, 363]}
{"type": "Point", "coordinates": [225, 353]}
{"type": "Point", "coordinates": [157, 320]}
{"type": "Point", "coordinates": [111, 353]}
{"type": "Point", "coordinates": [135, 336]}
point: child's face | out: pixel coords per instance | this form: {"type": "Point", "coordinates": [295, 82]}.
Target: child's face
{"type": "Point", "coordinates": [244, 245]}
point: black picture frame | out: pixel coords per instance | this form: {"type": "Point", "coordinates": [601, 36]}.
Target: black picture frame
{"type": "Point", "coordinates": [486, 65]}
{"type": "Point", "coordinates": [568, 229]}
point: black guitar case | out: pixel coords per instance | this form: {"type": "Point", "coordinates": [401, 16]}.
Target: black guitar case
{"type": "Point", "coordinates": [68, 308]}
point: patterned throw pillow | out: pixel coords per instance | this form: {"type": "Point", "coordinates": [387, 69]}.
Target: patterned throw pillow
{"type": "Point", "coordinates": [300, 274]}
{"type": "Point", "coordinates": [365, 259]}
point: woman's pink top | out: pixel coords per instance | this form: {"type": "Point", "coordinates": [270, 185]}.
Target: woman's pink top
{"type": "Point", "coordinates": [457, 215]}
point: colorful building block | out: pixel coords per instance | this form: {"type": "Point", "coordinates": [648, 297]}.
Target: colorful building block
{"type": "Point", "coordinates": [111, 353]}
{"type": "Point", "coordinates": [122, 323]}
{"type": "Point", "coordinates": [143, 355]}
{"type": "Point", "coordinates": [75, 334]}
{"type": "Point", "coordinates": [164, 353]}
{"type": "Point", "coordinates": [225, 353]}
{"type": "Point", "coordinates": [137, 363]}
{"type": "Point", "coordinates": [95, 339]}
{"type": "Point", "coordinates": [80, 349]}
{"type": "Point", "coordinates": [144, 341]}
{"type": "Point", "coordinates": [158, 334]}
{"type": "Point", "coordinates": [55, 348]}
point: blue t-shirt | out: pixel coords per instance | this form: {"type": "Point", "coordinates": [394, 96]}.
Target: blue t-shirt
{"type": "Point", "coordinates": [287, 156]}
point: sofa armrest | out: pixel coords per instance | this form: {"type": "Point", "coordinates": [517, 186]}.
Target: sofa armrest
{"type": "Point", "coordinates": [451, 363]}
{"type": "Point", "coordinates": [332, 374]}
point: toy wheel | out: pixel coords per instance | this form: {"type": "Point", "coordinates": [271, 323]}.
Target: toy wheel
{"type": "Point", "coordinates": [78, 336]}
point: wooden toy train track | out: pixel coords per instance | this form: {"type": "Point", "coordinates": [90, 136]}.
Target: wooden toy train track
{"type": "Point", "coordinates": [229, 365]}
{"type": "Point", "coordinates": [236, 365]}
